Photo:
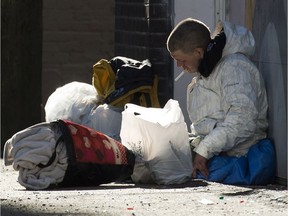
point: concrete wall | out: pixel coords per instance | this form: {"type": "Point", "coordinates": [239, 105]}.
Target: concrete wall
{"type": "Point", "coordinates": [76, 34]}
{"type": "Point", "coordinates": [270, 32]}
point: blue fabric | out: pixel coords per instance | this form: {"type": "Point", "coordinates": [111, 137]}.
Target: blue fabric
{"type": "Point", "coordinates": [258, 167]}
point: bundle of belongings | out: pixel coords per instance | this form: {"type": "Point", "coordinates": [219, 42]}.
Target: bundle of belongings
{"type": "Point", "coordinates": [62, 153]}
{"type": "Point", "coordinates": [80, 142]}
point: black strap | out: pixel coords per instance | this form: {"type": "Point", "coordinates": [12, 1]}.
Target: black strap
{"type": "Point", "coordinates": [51, 160]}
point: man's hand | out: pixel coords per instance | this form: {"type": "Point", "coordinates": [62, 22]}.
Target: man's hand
{"type": "Point", "coordinates": [200, 164]}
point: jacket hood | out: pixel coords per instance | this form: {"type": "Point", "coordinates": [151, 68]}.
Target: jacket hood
{"type": "Point", "coordinates": [238, 39]}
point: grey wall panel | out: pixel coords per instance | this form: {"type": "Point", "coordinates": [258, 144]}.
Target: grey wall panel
{"type": "Point", "coordinates": [270, 31]}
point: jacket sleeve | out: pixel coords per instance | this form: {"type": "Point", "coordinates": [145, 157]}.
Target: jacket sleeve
{"type": "Point", "coordinates": [239, 102]}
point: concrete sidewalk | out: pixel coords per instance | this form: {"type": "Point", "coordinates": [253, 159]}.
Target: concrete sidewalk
{"type": "Point", "coordinates": [194, 198]}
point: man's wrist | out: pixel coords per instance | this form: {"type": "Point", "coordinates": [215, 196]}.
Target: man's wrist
{"type": "Point", "coordinates": [203, 151]}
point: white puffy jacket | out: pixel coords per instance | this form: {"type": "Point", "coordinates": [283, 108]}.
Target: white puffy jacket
{"type": "Point", "coordinates": [229, 108]}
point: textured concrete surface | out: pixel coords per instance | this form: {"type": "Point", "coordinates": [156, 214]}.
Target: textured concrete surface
{"type": "Point", "coordinates": [194, 198]}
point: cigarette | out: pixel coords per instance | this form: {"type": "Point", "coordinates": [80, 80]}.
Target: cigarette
{"type": "Point", "coordinates": [179, 76]}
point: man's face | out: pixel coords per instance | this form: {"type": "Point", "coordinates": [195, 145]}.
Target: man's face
{"type": "Point", "coordinates": [188, 61]}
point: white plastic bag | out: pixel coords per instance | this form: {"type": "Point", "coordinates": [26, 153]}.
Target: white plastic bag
{"type": "Point", "coordinates": [72, 101]}
{"type": "Point", "coordinates": [107, 120]}
{"type": "Point", "coordinates": [77, 102]}
{"type": "Point", "coordinates": [159, 138]}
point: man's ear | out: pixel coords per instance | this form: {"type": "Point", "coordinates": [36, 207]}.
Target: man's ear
{"type": "Point", "coordinates": [200, 52]}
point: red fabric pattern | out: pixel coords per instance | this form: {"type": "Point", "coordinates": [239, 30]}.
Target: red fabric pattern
{"type": "Point", "coordinates": [94, 147]}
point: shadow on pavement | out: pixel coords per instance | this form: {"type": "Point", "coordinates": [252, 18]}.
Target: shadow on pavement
{"type": "Point", "coordinates": [7, 210]}
{"type": "Point", "coordinates": [129, 184]}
